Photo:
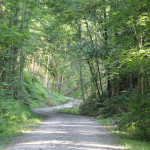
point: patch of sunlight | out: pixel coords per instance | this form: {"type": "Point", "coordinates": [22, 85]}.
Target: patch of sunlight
{"type": "Point", "coordinates": [45, 132]}
{"type": "Point", "coordinates": [69, 122]}
{"type": "Point", "coordinates": [85, 145]}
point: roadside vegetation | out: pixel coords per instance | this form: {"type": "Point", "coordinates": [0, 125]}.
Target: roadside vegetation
{"type": "Point", "coordinates": [94, 50]}
{"type": "Point", "coordinates": [127, 139]}
{"type": "Point", "coordinates": [75, 110]}
{"type": "Point", "coordinates": [17, 117]}
{"type": "Point", "coordinates": [37, 96]}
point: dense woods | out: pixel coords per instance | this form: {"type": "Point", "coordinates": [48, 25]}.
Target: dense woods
{"type": "Point", "coordinates": [95, 50]}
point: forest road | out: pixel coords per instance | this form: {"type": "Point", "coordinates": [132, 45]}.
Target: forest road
{"type": "Point", "coordinates": [65, 132]}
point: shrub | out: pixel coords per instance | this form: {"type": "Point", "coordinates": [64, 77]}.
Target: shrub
{"type": "Point", "coordinates": [116, 104]}
{"type": "Point", "coordinates": [90, 106]}
{"type": "Point", "coordinates": [137, 119]}
{"type": "Point", "coordinates": [13, 113]}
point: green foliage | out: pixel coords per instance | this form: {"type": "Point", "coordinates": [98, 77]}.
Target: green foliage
{"type": "Point", "coordinates": [15, 117]}
{"type": "Point", "coordinates": [37, 96]}
{"type": "Point", "coordinates": [137, 119]}
{"type": "Point", "coordinates": [57, 99]}
{"type": "Point", "coordinates": [102, 44]}
{"type": "Point", "coordinates": [130, 111]}
{"type": "Point", "coordinates": [134, 144]}
{"type": "Point", "coordinates": [105, 121]}
{"type": "Point", "coordinates": [116, 104]}
{"type": "Point", "coordinates": [34, 92]}
{"type": "Point", "coordinates": [13, 112]}
{"type": "Point", "coordinates": [74, 111]}
{"type": "Point", "coordinates": [125, 140]}
{"type": "Point", "coordinates": [90, 106]}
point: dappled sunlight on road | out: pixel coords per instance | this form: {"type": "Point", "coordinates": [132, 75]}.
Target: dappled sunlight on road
{"type": "Point", "coordinates": [67, 144]}
{"type": "Point", "coordinates": [66, 132]}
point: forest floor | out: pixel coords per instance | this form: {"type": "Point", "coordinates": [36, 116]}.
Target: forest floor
{"type": "Point", "coordinates": [65, 132]}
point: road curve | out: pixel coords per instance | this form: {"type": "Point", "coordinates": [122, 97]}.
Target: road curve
{"type": "Point", "coordinates": [46, 112]}
{"type": "Point", "coordinates": [65, 132]}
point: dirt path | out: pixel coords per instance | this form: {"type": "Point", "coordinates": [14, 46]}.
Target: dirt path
{"type": "Point", "coordinates": [46, 112]}
{"type": "Point", "coordinates": [65, 132]}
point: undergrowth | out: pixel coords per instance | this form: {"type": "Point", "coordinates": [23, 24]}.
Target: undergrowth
{"type": "Point", "coordinates": [57, 99]}
{"type": "Point", "coordinates": [34, 93]}
{"type": "Point", "coordinates": [90, 106]}
{"type": "Point", "coordinates": [74, 111]}
{"type": "Point", "coordinates": [130, 113]}
{"type": "Point", "coordinates": [37, 96]}
{"type": "Point", "coordinates": [15, 117]}
{"type": "Point", "coordinates": [126, 140]}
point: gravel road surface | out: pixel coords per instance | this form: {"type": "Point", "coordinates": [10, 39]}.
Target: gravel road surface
{"type": "Point", "coordinates": [65, 132]}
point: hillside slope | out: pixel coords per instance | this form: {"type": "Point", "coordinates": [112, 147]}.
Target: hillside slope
{"type": "Point", "coordinates": [16, 116]}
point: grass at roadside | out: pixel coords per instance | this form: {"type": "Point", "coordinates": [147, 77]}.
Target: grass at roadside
{"type": "Point", "coordinates": [74, 111]}
{"type": "Point", "coordinates": [16, 116]}
{"type": "Point", "coordinates": [18, 129]}
{"type": "Point", "coordinates": [37, 96]}
{"type": "Point", "coordinates": [126, 140]}
{"type": "Point", "coordinates": [57, 99]}
{"type": "Point", "coordinates": [15, 119]}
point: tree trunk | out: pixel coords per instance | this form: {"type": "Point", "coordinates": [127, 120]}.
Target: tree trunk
{"type": "Point", "coordinates": [118, 89]}
{"type": "Point", "coordinates": [94, 78]}
{"type": "Point", "coordinates": [60, 83]}
{"type": "Point", "coordinates": [21, 70]}
{"type": "Point", "coordinates": [140, 80]}
{"type": "Point", "coordinates": [91, 65]}
{"type": "Point", "coordinates": [108, 85]}
{"type": "Point", "coordinates": [33, 64]}
{"type": "Point", "coordinates": [80, 62]}
{"type": "Point", "coordinates": [47, 82]}
{"type": "Point", "coordinates": [106, 43]}
{"type": "Point", "coordinates": [22, 54]}
{"type": "Point", "coordinates": [13, 51]}
{"type": "Point", "coordinates": [81, 80]}
{"type": "Point", "coordinates": [3, 72]}
{"type": "Point", "coordinates": [131, 80]}
{"type": "Point", "coordinates": [99, 74]}
{"type": "Point", "coordinates": [140, 69]}
{"type": "Point", "coordinates": [147, 78]}
{"type": "Point", "coordinates": [97, 64]}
